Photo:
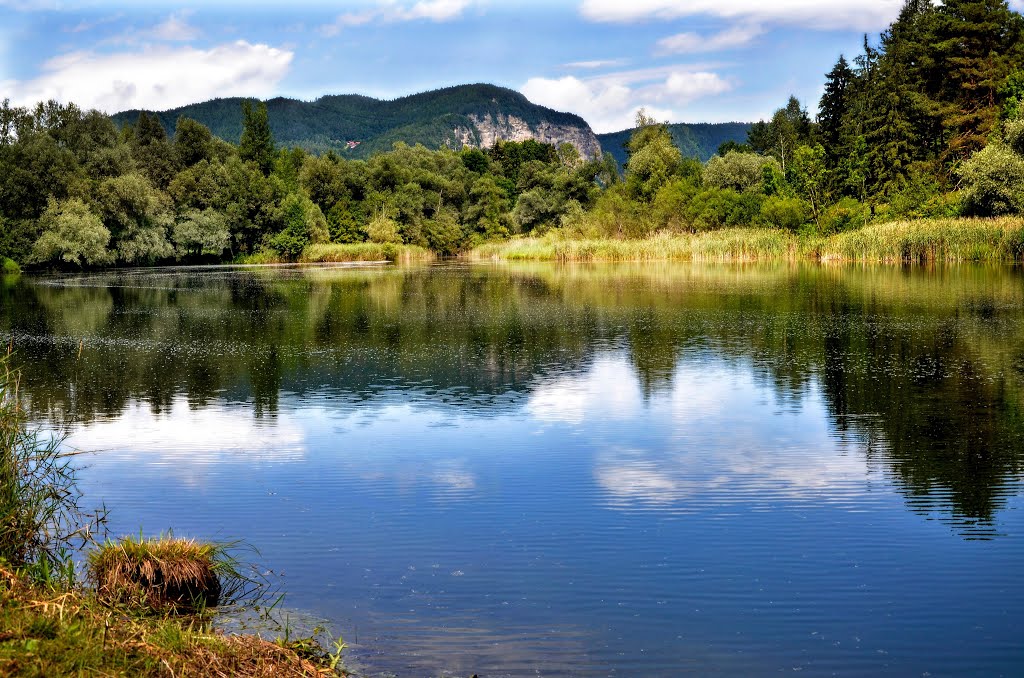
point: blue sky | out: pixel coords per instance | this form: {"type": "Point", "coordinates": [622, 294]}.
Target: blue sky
{"type": "Point", "coordinates": [692, 61]}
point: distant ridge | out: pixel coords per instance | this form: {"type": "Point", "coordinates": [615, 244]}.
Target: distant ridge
{"type": "Point", "coordinates": [465, 115]}
{"type": "Point", "coordinates": [695, 140]}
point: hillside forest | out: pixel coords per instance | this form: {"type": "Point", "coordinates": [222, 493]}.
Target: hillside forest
{"type": "Point", "coordinates": [928, 121]}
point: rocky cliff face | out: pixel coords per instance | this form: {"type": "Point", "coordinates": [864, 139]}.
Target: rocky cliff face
{"type": "Point", "coordinates": [490, 128]}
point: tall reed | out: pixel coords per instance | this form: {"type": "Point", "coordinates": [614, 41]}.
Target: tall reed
{"type": "Point", "coordinates": [41, 519]}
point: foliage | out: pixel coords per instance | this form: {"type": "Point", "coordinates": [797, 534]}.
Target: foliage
{"type": "Point", "coordinates": [198, 231]}
{"type": "Point", "coordinates": [304, 224]}
{"type": "Point", "coordinates": [68, 631]}
{"type": "Point", "coordinates": [72, 234]}
{"type": "Point", "coordinates": [257, 142]}
{"type": "Point", "coordinates": [994, 181]}
{"type": "Point", "coordinates": [738, 171]}
{"type": "Point", "coordinates": [785, 213]}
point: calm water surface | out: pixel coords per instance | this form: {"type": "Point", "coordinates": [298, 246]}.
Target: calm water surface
{"type": "Point", "coordinates": [571, 471]}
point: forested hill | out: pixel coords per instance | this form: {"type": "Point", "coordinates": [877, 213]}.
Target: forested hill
{"type": "Point", "coordinates": [695, 140]}
{"type": "Point", "coordinates": [467, 115]}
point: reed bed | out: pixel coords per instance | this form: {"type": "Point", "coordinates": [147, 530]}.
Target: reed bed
{"type": "Point", "coordinates": [931, 240]}
{"type": "Point", "coordinates": [363, 251]}
{"type": "Point", "coordinates": [739, 244]}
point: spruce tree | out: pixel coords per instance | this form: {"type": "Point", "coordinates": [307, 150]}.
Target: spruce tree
{"type": "Point", "coordinates": [976, 44]}
{"type": "Point", "coordinates": [833, 109]}
{"type": "Point", "coordinates": [257, 143]}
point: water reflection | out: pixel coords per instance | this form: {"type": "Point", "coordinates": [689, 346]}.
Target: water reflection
{"type": "Point", "coordinates": [545, 468]}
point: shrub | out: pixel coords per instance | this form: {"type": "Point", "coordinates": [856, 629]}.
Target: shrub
{"type": "Point", "coordinates": [9, 266]}
{"type": "Point", "coordinates": [787, 213]}
{"type": "Point", "coordinates": [846, 215]}
{"type": "Point", "coordinates": [993, 181]}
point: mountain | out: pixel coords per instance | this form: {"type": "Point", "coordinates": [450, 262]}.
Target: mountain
{"type": "Point", "coordinates": [467, 115]}
{"type": "Point", "coordinates": [697, 140]}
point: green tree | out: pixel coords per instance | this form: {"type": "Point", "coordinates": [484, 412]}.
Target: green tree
{"type": "Point", "coordinates": [197, 232]}
{"type": "Point", "coordinates": [138, 217]}
{"type": "Point", "coordinates": [488, 208]}
{"type": "Point", "coordinates": [834, 110]}
{"type": "Point", "coordinates": [738, 171]}
{"type": "Point", "coordinates": [193, 142]}
{"type": "Point", "coordinates": [304, 224]}
{"type": "Point", "coordinates": [257, 142]}
{"type": "Point", "coordinates": [72, 234]}
{"type": "Point", "coordinates": [653, 158]}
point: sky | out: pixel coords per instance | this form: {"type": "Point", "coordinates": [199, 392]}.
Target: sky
{"type": "Point", "coordinates": [681, 60]}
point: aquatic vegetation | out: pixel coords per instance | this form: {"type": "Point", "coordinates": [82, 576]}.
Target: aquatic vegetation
{"type": "Point", "coordinates": [41, 520]}
{"type": "Point", "coordinates": [363, 251]}
{"type": "Point", "coordinates": [926, 240]}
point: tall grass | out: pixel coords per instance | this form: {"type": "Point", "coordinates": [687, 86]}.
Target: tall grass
{"type": "Point", "coordinates": [737, 244]}
{"type": "Point", "coordinates": [41, 520]}
{"type": "Point", "coordinates": [926, 240]}
{"type": "Point", "coordinates": [363, 251]}
{"type": "Point", "coordinates": [930, 240]}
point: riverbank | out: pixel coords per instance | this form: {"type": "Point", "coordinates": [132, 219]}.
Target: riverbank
{"type": "Point", "coordinates": [926, 240]}
{"type": "Point", "coordinates": [66, 631]}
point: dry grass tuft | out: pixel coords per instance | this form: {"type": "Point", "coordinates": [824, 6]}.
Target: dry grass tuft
{"type": "Point", "coordinates": [160, 574]}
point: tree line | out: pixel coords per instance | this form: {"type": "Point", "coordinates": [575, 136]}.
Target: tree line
{"type": "Point", "coordinates": [926, 122]}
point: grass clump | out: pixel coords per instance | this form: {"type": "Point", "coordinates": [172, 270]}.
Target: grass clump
{"type": "Point", "coordinates": [164, 574]}
{"type": "Point", "coordinates": [363, 251]}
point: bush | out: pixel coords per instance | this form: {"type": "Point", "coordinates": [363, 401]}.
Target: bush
{"type": "Point", "coordinates": [846, 215]}
{"type": "Point", "coordinates": [787, 213]}
{"type": "Point", "coordinates": [9, 266]}
{"type": "Point", "coordinates": [715, 208]}
{"type": "Point", "coordinates": [383, 229]}
{"type": "Point", "coordinates": [993, 182]}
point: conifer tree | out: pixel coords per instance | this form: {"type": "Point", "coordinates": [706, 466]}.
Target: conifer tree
{"type": "Point", "coordinates": [257, 142]}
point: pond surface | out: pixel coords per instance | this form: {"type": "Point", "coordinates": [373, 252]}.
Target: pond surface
{"type": "Point", "coordinates": [571, 470]}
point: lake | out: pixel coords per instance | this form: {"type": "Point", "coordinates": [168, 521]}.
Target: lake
{"type": "Point", "coordinates": [545, 470]}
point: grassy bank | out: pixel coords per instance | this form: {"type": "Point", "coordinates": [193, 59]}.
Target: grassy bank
{"type": "Point", "coordinates": [69, 632]}
{"type": "Point", "coordinates": [927, 240]}
{"type": "Point", "coordinates": [340, 253]}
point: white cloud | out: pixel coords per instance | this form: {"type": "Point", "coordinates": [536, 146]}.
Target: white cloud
{"type": "Point", "coordinates": [175, 29]}
{"type": "Point", "coordinates": [391, 11]}
{"type": "Point", "coordinates": [156, 77]}
{"type": "Point", "coordinates": [837, 14]}
{"type": "Point", "coordinates": [609, 102]}
{"type": "Point", "coordinates": [597, 63]}
{"type": "Point", "coordinates": [690, 43]}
